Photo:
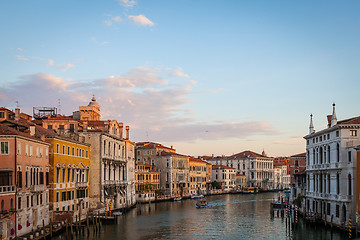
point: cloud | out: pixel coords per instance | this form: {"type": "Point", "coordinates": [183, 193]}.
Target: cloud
{"type": "Point", "coordinates": [64, 67]}
{"type": "Point", "coordinates": [179, 73]}
{"type": "Point", "coordinates": [112, 20]}
{"type": "Point", "coordinates": [20, 49]}
{"type": "Point", "coordinates": [50, 63]}
{"type": "Point", "coordinates": [21, 58]}
{"type": "Point", "coordinates": [142, 98]}
{"type": "Point", "coordinates": [141, 20]}
{"type": "Point", "coordinates": [127, 3]}
{"type": "Point", "coordinates": [216, 90]}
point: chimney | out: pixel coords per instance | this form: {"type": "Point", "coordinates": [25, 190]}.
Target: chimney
{"type": "Point", "coordinates": [121, 125]}
{"type": "Point", "coordinates": [85, 126]}
{"type": "Point", "coordinates": [17, 114]}
{"type": "Point", "coordinates": [42, 137]}
{"type": "Point", "coordinates": [329, 120]}
{"type": "Point", "coordinates": [32, 130]}
{"type": "Point", "coordinates": [171, 146]}
{"type": "Point", "coordinates": [127, 132]}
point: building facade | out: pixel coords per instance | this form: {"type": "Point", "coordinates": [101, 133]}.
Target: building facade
{"type": "Point", "coordinates": [174, 174]}
{"type": "Point", "coordinates": [69, 176]}
{"type": "Point", "coordinates": [198, 174]}
{"type": "Point", "coordinates": [225, 175]}
{"type": "Point", "coordinates": [330, 170]}
{"type": "Point", "coordinates": [258, 168]}
{"type": "Point", "coordinates": [147, 182]}
{"type": "Point", "coordinates": [147, 152]}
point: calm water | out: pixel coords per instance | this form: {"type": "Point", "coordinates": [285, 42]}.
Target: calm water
{"type": "Point", "coordinates": [227, 217]}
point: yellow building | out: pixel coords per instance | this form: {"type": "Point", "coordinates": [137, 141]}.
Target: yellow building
{"type": "Point", "coordinates": [69, 171]}
{"type": "Point", "coordinates": [198, 176]}
{"type": "Point", "coordinates": [147, 182]}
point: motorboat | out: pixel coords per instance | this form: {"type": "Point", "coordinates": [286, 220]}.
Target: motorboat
{"type": "Point", "coordinates": [177, 198]}
{"type": "Point", "coordinates": [201, 204]}
{"type": "Point", "coordinates": [196, 196]}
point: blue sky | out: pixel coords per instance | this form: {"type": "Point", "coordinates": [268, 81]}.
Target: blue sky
{"type": "Point", "coordinates": [208, 77]}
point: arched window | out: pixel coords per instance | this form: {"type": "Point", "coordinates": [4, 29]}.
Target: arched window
{"type": "Point", "coordinates": [321, 155]}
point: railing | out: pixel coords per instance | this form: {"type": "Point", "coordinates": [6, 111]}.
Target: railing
{"type": "Point", "coordinates": [7, 189]}
{"type": "Point", "coordinates": [330, 196]}
{"type": "Point", "coordinates": [81, 184]}
{"type": "Point", "coordinates": [37, 188]}
{"type": "Point", "coordinates": [114, 182]}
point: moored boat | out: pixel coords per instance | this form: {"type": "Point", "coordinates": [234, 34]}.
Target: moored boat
{"type": "Point", "coordinates": [177, 198]}
{"type": "Point", "coordinates": [196, 196]}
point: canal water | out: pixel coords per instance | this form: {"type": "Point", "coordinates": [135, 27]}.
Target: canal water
{"type": "Point", "coordinates": [231, 216]}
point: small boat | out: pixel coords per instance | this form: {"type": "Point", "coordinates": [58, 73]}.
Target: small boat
{"type": "Point", "coordinates": [201, 204]}
{"type": "Point", "coordinates": [177, 198]}
{"type": "Point", "coordinates": [196, 196]}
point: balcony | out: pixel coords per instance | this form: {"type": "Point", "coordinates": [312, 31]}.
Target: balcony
{"type": "Point", "coordinates": [330, 196]}
{"type": "Point", "coordinates": [37, 188]}
{"type": "Point", "coordinates": [81, 184]}
{"type": "Point", "coordinates": [7, 189]}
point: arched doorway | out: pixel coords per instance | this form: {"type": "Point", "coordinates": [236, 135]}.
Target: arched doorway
{"type": "Point", "coordinates": [343, 218]}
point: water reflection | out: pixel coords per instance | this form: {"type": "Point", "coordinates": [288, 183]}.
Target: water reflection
{"type": "Point", "coordinates": [227, 217]}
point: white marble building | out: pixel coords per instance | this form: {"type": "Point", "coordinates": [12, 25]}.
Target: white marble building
{"type": "Point", "coordinates": [331, 161]}
{"type": "Point", "coordinates": [258, 168]}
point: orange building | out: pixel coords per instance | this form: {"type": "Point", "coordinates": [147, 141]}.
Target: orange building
{"type": "Point", "coordinates": [147, 182]}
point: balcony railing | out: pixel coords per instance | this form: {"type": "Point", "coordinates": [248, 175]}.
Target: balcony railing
{"type": "Point", "coordinates": [7, 189]}
{"type": "Point", "coordinates": [114, 182]}
{"type": "Point", "coordinates": [330, 196]}
{"type": "Point", "coordinates": [37, 188]}
{"type": "Point", "coordinates": [81, 184]}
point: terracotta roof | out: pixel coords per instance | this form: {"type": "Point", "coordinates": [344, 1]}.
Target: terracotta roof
{"type": "Point", "coordinates": [9, 131]}
{"type": "Point", "coordinates": [192, 159]}
{"type": "Point", "coordinates": [299, 155]}
{"type": "Point", "coordinates": [39, 131]}
{"type": "Point", "coordinates": [148, 145]}
{"type": "Point", "coordinates": [354, 120]}
{"type": "Point", "coordinates": [59, 117]}
{"type": "Point", "coordinates": [221, 167]}
{"type": "Point", "coordinates": [171, 153]}
{"type": "Point", "coordinates": [246, 154]}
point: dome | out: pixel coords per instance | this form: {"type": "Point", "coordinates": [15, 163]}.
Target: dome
{"type": "Point", "coordinates": [93, 102]}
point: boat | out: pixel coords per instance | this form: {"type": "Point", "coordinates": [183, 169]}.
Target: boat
{"type": "Point", "coordinates": [177, 198]}
{"type": "Point", "coordinates": [201, 204]}
{"type": "Point", "coordinates": [196, 196]}
{"type": "Point", "coordinates": [249, 190]}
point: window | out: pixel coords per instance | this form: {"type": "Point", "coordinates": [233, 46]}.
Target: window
{"type": "Point", "coordinates": [328, 208]}
{"type": "Point", "coordinates": [63, 149]}
{"type": "Point", "coordinates": [337, 211]}
{"type": "Point", "coordinates": [353, 133]}
{"type": "Point", "coordinates": [19, 202]}
{"type": "Point", "coordinates": [57, 175]}
{"type": "Point", "coordinates": [61, 127]}
{"type": "Point", "coordinates": [57, 148]}
{"type": "Point", "coordinates": [37, 152]}
{"type": "Point", "coordinates": [50, 127]}
{"type": "Point", "coordinates": [4, 147]}
{"type": "Point", "coordinates": [31, 150]}
{"type": "Point", "coordinates": [63, 175]}
{"type": "Point", "coordinates": [349, 185]}
{"type": "Point", "coordinates": [349, 156]}
{"type": "Point", "coordinates": [87, 153]}
{"type": "Point", "coordinates": [68, 151]}
{"type": "Point", "coordinates": [337, 133]}
{"type": "Point", "coordinates": [19, 148]}
{"type": "Point", "coordinates": [57, 197]}
{"type": "Point", "coordinates": [73, 151]}
{"type": "Point", "coordinates": [2, 114]}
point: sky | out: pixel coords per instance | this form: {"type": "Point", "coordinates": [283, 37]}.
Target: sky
{"type": "Point", "coordinates": [207, 77]}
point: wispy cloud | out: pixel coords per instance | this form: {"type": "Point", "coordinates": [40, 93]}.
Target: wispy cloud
{"type": "Point", "coordinates": [179, 73]}
{"type": "Point", "coordinates": [216, 90]}
{"type": "Point", "coordinates": [141, 20]}
{"type": "Point", "coordinates": [21, 58]}
{"type": "Point", "coordinates": [112, 20]}
{"type": "Point", "coordinates": [127, 3]}
{"type": "Point", "coordinates": [143, 97]}
{"type": "Point", "coordinates": [20, 49]}
{"type": "Point", "coordinates": [50, 63]}
{"type": "Point", "coordinates": [64, 67]}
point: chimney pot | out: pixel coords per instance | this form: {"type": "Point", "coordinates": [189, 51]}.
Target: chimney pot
{"type": "Point", "coordinates": [17, 114]}
{"type": "Point", "coordinates": [32, 130]}
{"type": "Point", "coordinates": [127, 132]}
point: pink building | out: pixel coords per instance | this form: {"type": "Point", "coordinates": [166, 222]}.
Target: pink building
{"type": "Point", "coordinates": [28, 153]}
{"type": "Point", "coordinates": [7, 183]}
